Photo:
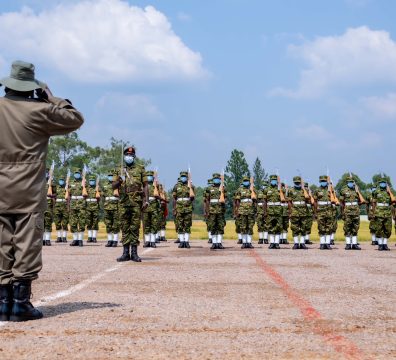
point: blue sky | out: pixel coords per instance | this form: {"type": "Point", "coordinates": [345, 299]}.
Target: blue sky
{"type": "Point", "coordinates": [301, 84]}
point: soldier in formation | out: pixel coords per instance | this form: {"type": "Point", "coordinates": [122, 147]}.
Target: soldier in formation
{"type": "Point", "coordinates": [61, 210]}
{"type": "Point", "coordinates": [111, 199]}
{"type": "Point", "coordinates": [49, 212]}
{"type": "Point", "coordinates": [163, 212]}
{"type": "Point", "coordinates": [92, 209]}
{"type": "Point", "coordinates": [183, 197]}
{"type": "Point", "coordinates": [78, 206]}
{"type": "Point", "coordinates": [285, 217]}
{"type": "Point", "coordinates": [310, 216]}
{"type": "Point", "coordinates": [205, 197]}
{"type": "Point", "coordinates": [370, 214]}
{"type": "Point", "coordinates": [150, 212]}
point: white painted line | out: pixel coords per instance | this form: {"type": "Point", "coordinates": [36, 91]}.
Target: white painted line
{"type": "Point", "coordinates": [77, 287]}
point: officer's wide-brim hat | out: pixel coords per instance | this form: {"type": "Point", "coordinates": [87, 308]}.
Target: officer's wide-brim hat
{"type": "Point", "coordinates": [22, 78]}
{"type": "Point", "coordinates": [129, 150]}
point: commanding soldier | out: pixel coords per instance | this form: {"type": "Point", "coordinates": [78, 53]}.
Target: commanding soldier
{"type": "Point", "coordinates": [27, 123]}
{"type": "Point", "coordinates": [261, 218]}
{"type": "Point", "coordinates": [274, 198]}
{"type": "Point", "coordinates": [370, 214]}
{"type": "Point", "coordinates": [111, 210]}
{"type": "Point", "coordinates": [150, 213]}
{"type": "Point", "coordinates": [206, 206]}
{"type": "Point", "coordinates": [351, 200]}
{"type": "Point", "coordinates": [92, 212]}
{"type": "Point", "coordinates": [309, 220]}
{"type": "Point", "coordinates": [285, 218]}
{"type": "Point", "coordinates": [324, 212]}
{"type": "Point", "coordinates": [215, 199]}
{"type": "Point", "coordinates": [183, 196]}
{"type": "Point", "coordinates": [382, 210]}
{"type": "Point", "coordinates": [245, 211]}
{"type": "Point", "coordinates": [49, 212]}
{"type": "Point", "coordinates": [163, 212]}
{"type": "Point", "coordinates": [133, 199]}
{"type": "Point", "coordinates": [298, 199]}
{"type": "Point", "coordinates": [61, 211]}
{"type": "Point", "coordinates": [78, 207]}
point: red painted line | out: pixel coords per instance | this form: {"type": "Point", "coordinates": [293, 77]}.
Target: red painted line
{"type": "Point", "coordinates": [340, 344]}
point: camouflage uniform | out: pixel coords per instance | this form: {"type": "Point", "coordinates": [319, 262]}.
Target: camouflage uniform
{"type": "Point", "coordinates": [92, 212]}
{"type": "Point", "coordinates": [216, 212]}
{"type": "Point", "coordinates": [261, 218]}
{"type": "Point", "coordinates": [382, 215]}
{"type": "Point", "coordinates": [350, 203]}
{"type": "Point", "coordinates": [237, 219]}
{"type": "Point", "coordinates": [285, 218]}
{"type": "Point", "coordinates": [298, 213]}
{"type": "Point", "coordinates": [309, 221]}
{"type": "Point", "coordinates": [163, 212]}
{"type": "Point", "coordinates": [324, 214]}
{"type": "Point", "coordinates": [370, 215]}
{"type": "Point", "coordinates": [78, 206]}
{"type": "Point", "coordinates": [245, 212]}
{"type": "Point", "coordinates": [150, 213]}
{"type": "Point", "coordinates": [49, 215]}
{"type": "Point", "coordinates": [183, 208]}
{"type": "Point", "coordinates": [205, 196]}
{"type": "Point", "coordinates": [274, 211]}
{"type": "Point", "coordinates": [111, 199]}
{"type": "Point", "coordinates": [61, 211]}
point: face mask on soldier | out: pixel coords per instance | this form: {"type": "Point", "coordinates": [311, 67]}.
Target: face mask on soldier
{"type": "Point", "coordinates": [246, 184]}
{"type": "Point", "coordinates": [274, 182]}
{"type": "Point", "coordinates": [351, 184]}
{"type": "Point", "coordinates": [91, 182]}
{"type": "Point", "coordinates": [129, 159]}
{"type": "Point", "coordinates": [183, 179]}
{"type": "Point", "coordinates": [77, 176]}
{"type": "Point", "coordinates": [323, 184]}
{"type": "Point", "coordinates": [297, 185]}
{"type": "Point", "coordinates": [383, 185]}
{"type": "Point", "coordinates": [110, 178]}
{"type": "Point", "coordinates": [150, 178]}
{"type": "Point", "coordinates": [61, 182]}
{"type": "Point", "coordinates": [216, 181]}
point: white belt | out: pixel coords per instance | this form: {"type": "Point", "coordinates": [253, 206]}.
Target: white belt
{"type": "Point", "coordinates": [354, 203]}
{"type": "Point", "coordinates": [151, 198]}
{"type": "Point", "coordinates": [260, 204]}
{"type": "Point", "coordinates": [183, 199]}
{"type": "Point", "coordinates": [60, 200]}
{"type": "Point", "coordinates": [309, 205]}
{"type": "Point", "coordinates": [324, 202]}
{"type": "Point", "coordinates": [246, 200]}
{"type": "Point", "coordinates": [284, 204]}
{"type": "Point", "coordinates": [214, 201]}
{"type": "Point", "coordinates": [298, 202]}
{"type": "Point", "coordinates": [274, 203]}
{"type": "Point", "coordinates": [92, 200]}
{"type": "Point", "coordinates": [79, 197]}
{"type": "Point", "coordinates": [111, 198]}
{"type": "Point", "coordinates": [382, 205]}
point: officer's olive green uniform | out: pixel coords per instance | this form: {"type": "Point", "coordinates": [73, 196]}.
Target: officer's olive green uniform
{"type": "Point", "coordinates": [370, 215]}
{"type": "Point", "coordinates": [92, 212]}
{"type": "Point", "coordinates": [61, 213]}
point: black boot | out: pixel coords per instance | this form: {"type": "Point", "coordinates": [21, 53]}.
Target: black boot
{"type": "Point", "coordinates": [265, 241]}
{"type": "Point", "coordinates": [302, 246]}
{"type": "Point", "coordinates": [244, 246]}
{"type": "Point", "coordinates": [164, 239]}
{"type": "Point", "coordinates": [157, 240]}
{"type": "Point", "coordinates": [239, 242]}
{"type": "Point", "coordinates": [187, 245]}
{"type": "Point", "coordinates": [276, 246]}
{"type": "Point", "coordinates": [22, 309]}
{"type": "Point", "coordinates": [308, 242]}
{"type": "Point", "coordinates": [114, 244]}
{"type": "Point", "coordinates": [295, 247]}
{"type": "Point", "coordinates": [47, 242]}
{"type": "Point", "coordinates": [134, 255]}
{"type": "Point", "coordinates": [43, 242]}
{"type": "Point", "coordinates": [285, 241]}
{"type": "Point", "coordinates": [177, 241]}
{"type": "Point", "coordinates": [213, 247]}
{"type": "Point", "coordinates": [271, 246]}
{"type": "Point", "coordinates": [220, 246]}
{"type": "Point", "coordinates": [109, 243]}
{"type": "Point", "coordinates": [322, 247]}
{"type": "Point", "coordinates": [261, 241]}
{"type": "Point", "coordinates": [250, 246]}
{"type": "Point", "coordinates": [74, 243]}
{"type": "Point", "coordinates": [328, 247]}
{"type": "Point", "coordinates": [5, 302]}
{"type": "Point", "coordinates": [332, 242]}
{"type": "Point", "coordinates": [89, 240]}
{"type": "Point", "coordinates": [374, 242]}
{"type": "Point", "coordinates": [356, 247]}
{"type": "Point", "coordinates": [146, 244]}
{"type": "Point", "coordinates": [125, 254]}
{"type": "Point", "coordinates": [209, 241]}
{"type": "Point", "coordinates": [380, 247]}
{"type": "Point", "coordinates": [385, 247]}
{"type": "Point", "coordinates": [94, 240]}
{"type": "Point", "coordinates": [58, 240]}
{"type": "Point", "coordinates": [153, 245]}
{"type": "Point", "coordinates": [64, 240]}
{"type": "Point", "coordinates": [80, 243]}
{"type": "Point", "coordinates": [348, 247]}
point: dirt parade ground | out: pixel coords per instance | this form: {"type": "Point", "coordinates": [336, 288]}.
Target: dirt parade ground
{"type": "Point", "coordinates": [201, 304]}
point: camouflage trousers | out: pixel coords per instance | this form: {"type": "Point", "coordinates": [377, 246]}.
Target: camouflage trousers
{"type": "Point", "coordinates": [285, 223]}
{"type": "Point", "coordinates": [298, 225]}
{"type": "Point", "coordinates": [383, 227]}
{"type": "Point", "coordinates": [216, 223]}
{"type": "Point", "coordinates": [261, 222]}
{"type": "Point", "coordinates": [61, 217]}
{"type": "Point", "coordinates": [150, 222]}
{"type": "Point", "coordinates": [351, 225]}
{"type": "Point", "coordinates": [308, 224]}
{"type": "Point", "coordinates": [130, 217]}
{"type": "Point", "coordinates": [246, 223]}
{"type": "Point", "coordinates": [183, 222]}
{"type": "Point", "coordinates": [161, 220]}
{"type": "Point", "coordinates": [77, 220]}
{"type": "Point", "coordinates": [92, 219]}
{"type": "Point", "coordinates": [372, 226]}
{"type": "Point", "coordinates": [112, 221]}
{"type": "Point", "coordinates": [335, 221]}
{"type": "Point", "coordinates": [237, 225]}
{"type": "Point", "coordinates": [48, 218]}
{"type": "Point", "coordinates": [325, 219]}
{"type": "Point", "coordinates": [275, 224]}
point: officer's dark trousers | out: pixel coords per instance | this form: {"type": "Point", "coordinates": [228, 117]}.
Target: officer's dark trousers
{"type": "Point", "coordinates": [21, 240]}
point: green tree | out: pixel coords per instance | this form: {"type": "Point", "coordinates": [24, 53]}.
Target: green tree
{"type": "Point", "coordinates": [237, 167]}
{"type": "Point", "coordinates": [259, 174]}
{"type": "Point", "coordinates": [378, 176]}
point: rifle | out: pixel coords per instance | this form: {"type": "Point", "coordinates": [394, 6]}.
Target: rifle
{"type": "Point", "coordinates": [192, 194]}
{"type": "Point", "coordinates": [222, 196]}
{"type": "Point", "coordinates": [155, 184]}
{"type": "Point", "coordinates": [281, 193]}
{"type": "Point", "coordinates": [253, 195]}
{"type": "Point", "coordinates": [97, 191]}
{"type": "Point", "coordinates": [392, 197]}
{"type": "Point", "coordinates": [307, 194]}
{"type": "Point", "coordinates": [67, 193]}
{"type": "Point", "coordinates": [83, 182]}
{"type": "Point", "coordinates": [362, 200]}
{"type": "Point", "coordinates": [50, 178]}
{"type": "Point", "coordinates": [116, 192]}
{"type": "Point", "coordinates": [333, 196]}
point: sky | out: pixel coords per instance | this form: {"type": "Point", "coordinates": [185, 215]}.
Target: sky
{"type": "Point", "coordinates": [304, 85]}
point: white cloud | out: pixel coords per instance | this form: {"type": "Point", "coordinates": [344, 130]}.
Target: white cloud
{"type": "Point", "coordinates": [100, 41]}
{"type": "Point", "coordinates": [381, 107]}
{"type": "Point", "coordinates": [360, 56]}
{"type": "Point", "coordinates": [182, 16]}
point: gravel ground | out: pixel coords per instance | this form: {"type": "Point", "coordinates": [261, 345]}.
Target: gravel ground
{"type": "Point", "coordinates": [202, 304]}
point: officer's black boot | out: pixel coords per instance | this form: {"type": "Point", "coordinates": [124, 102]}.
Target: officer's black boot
{"type": "Point", "coordinates": [332, 242]}
{"type": "Point", "coordinates": [322, 247]}
{"type": "Point", "coordinates": [285, 241]}
{"type": "Point", "coordinates": [181, 244]}
{"type": "Point", "coordinates": [277, 246]}
{"type": "Point", "coordinates": [348, 247]}
{"type": "Point", "coordinates": [22, 309]}
{"type": "Point", "coordinates": [220, 246]}
{"type": "Point", "coordinates": [94, 240]}
{"type": "Point", "coordinates": [64, 240]}
{"type": "Point", "coordinates": [239, 242]}
{"type": "Point", "coordinates": [134, 255]}
{"type": "Point", "coordinates": [164, 239]}
{"type": "Point", "coordinates": [271, 246]}
{"type": "Point", "coordinates": [5, 302]}
{"type": "Point", "coordinates": [243, 246]}
{"type": "Point", "coordinates": [43, 242]}
{"type": "Point", "coordinates": [380, 247]}
{"type": "Point", "coordinates": [187, 244]}
{"type": "Point", "coordinates": [74, 243]}
{"type": "Point", "coordinates": [308, 242]}
{"type": "Point", "coordinates": [261, 241]}
{"type": "Point", "coordinates": [125, 254]}
{"type": "Point", "coordinates": [385, 247]}
{"type": "Point", "coordinates": [374, 242]}
{"type": "Point", "coordinates": [89, 239]}
{"type": "Point", "coordinates": [47, 242]}
{"type": "Point", "coordinates": [213, 247]}
{"type": "Point", "coordinates": [153, 245]}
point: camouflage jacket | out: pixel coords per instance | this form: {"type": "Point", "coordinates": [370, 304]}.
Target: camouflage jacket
{"type": "Point", "coordinates": [273, 201]}
{"type": "Point", "coordinates": [246, 205]}
{"type": "Point", "coordinates": [212, 197]}
{"type": "Point", "coordinates": [322, 197]}
{"type": "Point", "coordinates": [61, 201]}
{"type": "Point", "coordinates": [350, 198]}
{"type": "Point", "coordinates": [132, 187]}
{"type": "Point", "coordinates": [383, 203]}
{"type": "Point", "coordinates": [77, 201]}
{"type": "Point", "coordinates": [92, 202]}
{"type": "Point", "coordinates": [181, 194]}
{"type": "Point", "coordinates": [298, 202]}
{"type": "Point", "coordinates": [154, 202]}
{"type": "Point", "coordinates": [110, 201]}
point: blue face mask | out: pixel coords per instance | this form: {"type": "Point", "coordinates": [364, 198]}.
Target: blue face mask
{"type": "Point", "coordinates": [150, 178]}
{"type": "Point", "coordinates": [383, 185]}
{"type": "Point", "coordinates": [351, 185]}
{"type": "Point", "coordinates": [246, 184]}
{"type": "Point", "coordinates": [110, 178]}
{"type": "Point", "coordinates": [77, 176]}
{"type": "Point", "coordinates": [323, 183]}
{"type": "Point", "coordinates": [129, 159]}
{"type": "Point", "coordinates": [61, 182]}
{"type": "Point", "coordinates": [274, 182]}
{"type": "Point", "coordinates": [297, 186]}
{"type": "Point", "coordinates": [183, 179]}
{"type": "Point", "coordinates": [216, 181]}
{"type": "Point", "coordinates": [92, 182]}
{"type": "Point", "coordinates": [373, 189]}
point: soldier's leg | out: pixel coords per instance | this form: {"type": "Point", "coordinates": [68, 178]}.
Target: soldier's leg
{"type": "Point", "coordinates": [265, 230]}
{"type": "Point", "coordinates": [355, 224]}
{"type": "Point", "coordinates": [243, 229]}
{"type": "Point", "coordinates": [260, 227]}
{"type": "Point", "coordinates": [95, 225]}
{"type": "Point", "coordinates": [89, 223]}
{"type": "Point", "coordinates": [321, 221]}
{"type": "Point", "coordinates": [387, 225]}
{"type": "Point", "coordinates": [329, 226]}
{"type": "Point", "coordinates": [65, 223]}
{"type": "Point", "coordinates": [154, 228]}
{"type": "Point", "coordinates": [295, 228]}
{"type": "Point", "coordinates": [372, 232]}
{"type": "Point", "coordinates": [238, 229]}
{"type": "Point", "coordinates": [220, 233]}
{"type": "Point", "coordinates": [187, 228]}
{"type": "Point", "coordinates": [147, 227]}
{"type": "Point", "coordinates": [285, 229]}
{"type": "Point", "coordinates": [211, 227]}
{"type": "Point", "coordinates": [74, 226]}
{"type": "Point", "coordinates": [47, 227]}
{"type": "Point", "coordinates": [302, 227]}
{"type": "Point", "coordinates": [109, 217]}
{"type": "Point", "coordinates": [58, 224]}
{"type": "Point", "coordinates": [308, 229]}
{"type": "Point", "coordinates": [250, 225]}
{"type": "Point", "coordinates": [82, 218]}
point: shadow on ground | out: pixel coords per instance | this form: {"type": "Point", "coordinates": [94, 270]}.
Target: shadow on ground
{"type": "Point", "coordinates": [70, 307]}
